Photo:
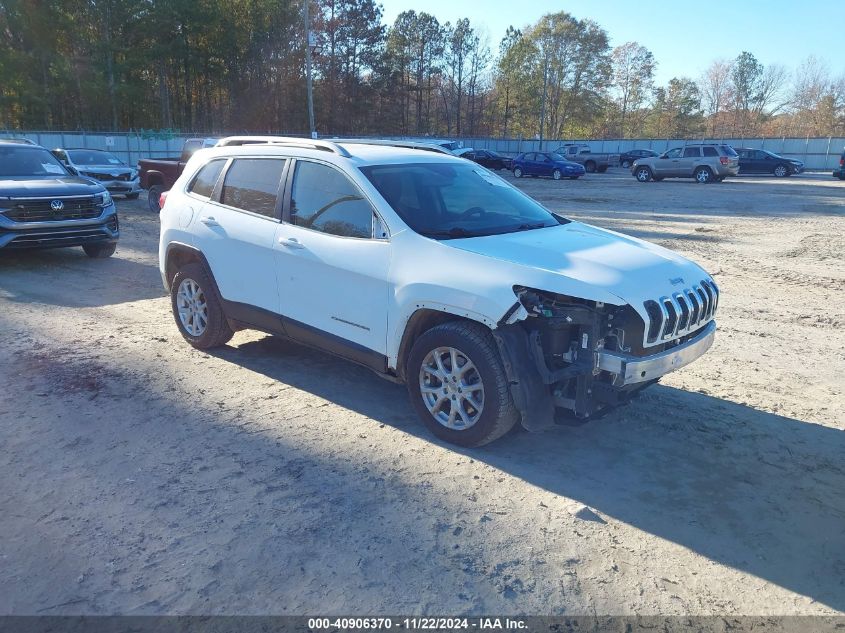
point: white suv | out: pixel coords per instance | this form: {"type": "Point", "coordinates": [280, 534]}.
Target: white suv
{"type": "Point", "coordinates": [432, 271]}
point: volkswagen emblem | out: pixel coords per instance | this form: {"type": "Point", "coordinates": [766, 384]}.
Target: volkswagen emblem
{"type": "Point", "coordinates": [57, 205]}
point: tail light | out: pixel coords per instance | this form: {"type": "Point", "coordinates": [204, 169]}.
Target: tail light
{"type": "Point", "coordinates": [842, 162]}
{"type": "Point", "coordinates": [162, 199]}
{"type": "Point", "coordinates": [724, 160]}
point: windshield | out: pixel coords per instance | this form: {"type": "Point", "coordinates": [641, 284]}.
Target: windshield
{"type": "Point", "coordinates": [29, 161]}
{"type": "Point", "coordinates": [92, 157]}
{"type": "Point", "coordinates": [556, 156]}
{"type": "Point", "coordinates": [445, 200]}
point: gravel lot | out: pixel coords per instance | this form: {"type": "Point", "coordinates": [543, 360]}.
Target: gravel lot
{"type": "Point", "coordinates": [138, 475]}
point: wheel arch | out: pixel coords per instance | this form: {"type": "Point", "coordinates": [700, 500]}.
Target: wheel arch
{"type": "Point", "coordinates": [420, 321]}
{"type": "Point", "coordinates": [179, 254]}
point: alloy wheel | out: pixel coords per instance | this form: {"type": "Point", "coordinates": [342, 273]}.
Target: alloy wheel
{"type": "Point", "coordinates": [192, 307]}
{"type": "Point", "coordinates": [451, 388]}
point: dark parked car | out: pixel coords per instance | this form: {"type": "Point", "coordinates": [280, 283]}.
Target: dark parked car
{"type": "Point", "coordinates": [489, 159]}
{"type": "Point", "coordinates": [760, 161]}
{"type": "Point", "coordinates": [839, 172]}
{"type": "Point", "coordinates": [546, 164]}
{"type": "Point", "coordinates": [626, 159]}
{"type": "Point", "coordinates": [44, 205]}
{"type": "Point", "coordinates": [116, 176]}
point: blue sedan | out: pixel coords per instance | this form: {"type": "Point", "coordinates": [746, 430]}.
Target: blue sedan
{"type": "Point", "coordinates": [546, 164]}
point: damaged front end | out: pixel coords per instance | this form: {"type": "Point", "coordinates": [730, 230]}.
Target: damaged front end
{"type": "Point", "coordinates": [583, 357]}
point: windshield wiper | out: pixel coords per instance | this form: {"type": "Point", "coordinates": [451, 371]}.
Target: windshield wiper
{"type": "Point", "coordinates": [454, 232]}
{"type": "Point", "coordinates": [528, 227]}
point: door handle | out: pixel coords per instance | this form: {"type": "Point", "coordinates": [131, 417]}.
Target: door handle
{"type": "Point", "coordinates": [290, 242]}
{"type": "Point", "coordinates": [209, 221]}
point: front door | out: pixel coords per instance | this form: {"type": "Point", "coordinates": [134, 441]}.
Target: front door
{"type": "Point", "coordinates": [669, 163]}
{"type": "Point", "coordinates": [332, 268]}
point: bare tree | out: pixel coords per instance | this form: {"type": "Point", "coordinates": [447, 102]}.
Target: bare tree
{"type": "Point", "coordinates": [716, 91]}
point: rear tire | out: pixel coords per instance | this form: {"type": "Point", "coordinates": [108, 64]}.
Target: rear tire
{"type": "Point", "coordinates": [626, 164]}
{"type": "Point", "coordinates": [556, 174]}
{"type": "Point", "coordinates": [153, 194]}
{"type": "Point", "coordinates": [517, 172]}
{"type": "Point", "coordinates": [643, 174]}
{"type": "Point", "coordinates": [197, 308]}
{"type": "Point", "coordinates": [703, 175]}
{"type": "Point", "coordinates": [99, 251]}
{"type": "Point", "coordinates": [451, 342]}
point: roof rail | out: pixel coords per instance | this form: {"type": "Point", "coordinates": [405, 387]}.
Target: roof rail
{"type": "Point", "coordinates": [426, 147]}
{"type": "Point", "coordinates": [288, 141]}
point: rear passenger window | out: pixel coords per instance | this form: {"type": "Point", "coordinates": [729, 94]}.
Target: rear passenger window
{"type": "Point", "coordinates": [252, 184]}
{"type": "Point", "coordinates": [323, 199]}
{"type": "Point", "coordinates": [692, 152]}
{"type": "Point", "coordinates": [206, 178]}
{"type": "Point", "coordinates": [710, 151]}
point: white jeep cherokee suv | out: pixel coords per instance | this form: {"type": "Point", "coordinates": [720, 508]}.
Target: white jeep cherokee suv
{"type": "Point", "coordinates": [432, 271]}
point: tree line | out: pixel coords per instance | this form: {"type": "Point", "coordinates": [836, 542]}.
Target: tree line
{"type": "Point", "coordinates": [239, 65]}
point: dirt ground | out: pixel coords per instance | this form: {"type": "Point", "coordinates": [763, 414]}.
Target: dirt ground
{"type": "Point", "coordinates": [140, 476]}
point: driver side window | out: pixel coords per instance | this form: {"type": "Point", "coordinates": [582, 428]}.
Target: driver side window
{"type": "Point", "coordinates": [674, 153]}
{"type": "Point", "coordinates": [323, 199]}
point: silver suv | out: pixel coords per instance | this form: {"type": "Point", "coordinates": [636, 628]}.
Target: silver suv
{"type": "Point", "coordinates": [706, 162]}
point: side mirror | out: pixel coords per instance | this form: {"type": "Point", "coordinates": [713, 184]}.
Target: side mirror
{"type": "Point", "coordinates": [663, 155]}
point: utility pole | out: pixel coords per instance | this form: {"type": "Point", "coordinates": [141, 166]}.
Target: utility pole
{"type": "Point", "coordinates": [543, 102]}
{"type": "Point", "coordinates": [308, 48]}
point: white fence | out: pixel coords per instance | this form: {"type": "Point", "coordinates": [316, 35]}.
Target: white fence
{"type": "Point", "coordinates": [820, 154]}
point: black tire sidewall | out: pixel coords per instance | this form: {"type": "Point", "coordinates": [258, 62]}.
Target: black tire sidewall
{"type": "Point", "coordinates": [100, 251]}
{"type": "Point", "coordinates": [153, 194]}
{"type": "Point", "coordinates": [479, 433]}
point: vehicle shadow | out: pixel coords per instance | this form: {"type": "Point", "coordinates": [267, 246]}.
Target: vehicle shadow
{"type": "Point", "coordinates": [30, 276]}
{"type": "Point", "coordinates": [755, 491]}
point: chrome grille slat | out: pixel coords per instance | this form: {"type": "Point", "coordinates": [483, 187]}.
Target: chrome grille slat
{"type": "Point", "coordinates": [685, 311]}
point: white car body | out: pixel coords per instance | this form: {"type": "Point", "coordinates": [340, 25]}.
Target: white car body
{"type": "Point", "coordinates": [362, 293]}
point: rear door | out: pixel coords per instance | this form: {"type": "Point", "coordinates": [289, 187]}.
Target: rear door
{"type": "Point", "coordinates": [236, 228]}
{"type": "Point", "coordinates": [690, 159]}
{"type": "Point", "coordinates": [529, 164]}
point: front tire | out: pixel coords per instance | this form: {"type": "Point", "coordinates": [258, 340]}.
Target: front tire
{"type": "Point", "coordinates": [781, 171]}
{"type": "Point", "coordinates": [153, 195]}
{"type": "Point", "coordinates": [99, 251]}
{"type": "Point", "coordinates": [643, 174]}
{"type": "Point", "coordinates": [517, 172]}
{"type": "Point", "coordinates": [458, 386]}
{"type": "Point", "coordinates": [556, 174]}
{"type": "Point", "coordinates": [197, 308]}
{"type": "Point", "coordinates": [703, 175]}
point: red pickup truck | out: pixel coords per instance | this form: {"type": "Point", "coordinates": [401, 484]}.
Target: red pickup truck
{"type": "Point", "coordinates": [159, 174]}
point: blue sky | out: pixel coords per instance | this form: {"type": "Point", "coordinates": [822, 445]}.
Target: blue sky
{"type": "Point", "coordinates": [683, 37]}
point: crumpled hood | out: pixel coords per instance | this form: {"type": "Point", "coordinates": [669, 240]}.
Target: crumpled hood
{"type": "Point", "coordinates": [631, 269]}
